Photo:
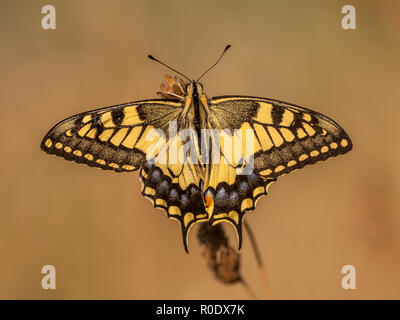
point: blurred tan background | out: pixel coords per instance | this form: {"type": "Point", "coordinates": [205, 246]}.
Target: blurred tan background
{"type": "Point", "coordinates": [106, 240]}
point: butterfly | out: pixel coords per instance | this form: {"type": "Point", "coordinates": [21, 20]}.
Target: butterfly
{"type": "Point", "coordinates": [214, 186]}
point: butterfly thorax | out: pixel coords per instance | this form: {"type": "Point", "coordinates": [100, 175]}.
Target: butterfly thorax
{"type": "Point", "coordinates": [194, 116]}
{"type": "Point", "coordinates": [196, 110]}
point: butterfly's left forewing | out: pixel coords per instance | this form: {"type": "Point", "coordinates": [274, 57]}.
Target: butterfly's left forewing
{"type": "Point", "coordinates": [114, 138]}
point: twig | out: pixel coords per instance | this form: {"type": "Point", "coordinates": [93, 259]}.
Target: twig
{"type": "Point", "coordinates": [263, 274]}
{"type": "Point", "coordinates": [248, 289]}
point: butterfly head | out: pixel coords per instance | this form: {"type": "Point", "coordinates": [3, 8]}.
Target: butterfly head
{"type": "Point", "coordinates": [199, 88]}
{"type": "Point", "coordinates": [190, 88]}
{"type": "Point", "coordinates": [194, 88]}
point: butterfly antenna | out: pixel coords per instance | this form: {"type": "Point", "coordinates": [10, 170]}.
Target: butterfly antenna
{"type": "Point", "coordinates": [152, 58]}
{"type": "Point", "coordinates": [220, 57]}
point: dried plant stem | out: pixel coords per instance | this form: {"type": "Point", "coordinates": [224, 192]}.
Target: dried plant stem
{"type": "Point", "coordinates": [248, 289]}
{"type": "Point", "coordinates": [263, 274]}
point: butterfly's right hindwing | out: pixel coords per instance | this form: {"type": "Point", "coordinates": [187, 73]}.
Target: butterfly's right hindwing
{"type": "Point", "coordinates": [114, 138]}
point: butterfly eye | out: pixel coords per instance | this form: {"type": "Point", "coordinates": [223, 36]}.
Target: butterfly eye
{"type": "Point", "coordinates": [201, 85]}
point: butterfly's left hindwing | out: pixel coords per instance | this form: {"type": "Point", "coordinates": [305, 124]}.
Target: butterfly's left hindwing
{"type": "Point", "coordinates": [114, 138]}
{"type": "Point", "coordinates": [179, 193]}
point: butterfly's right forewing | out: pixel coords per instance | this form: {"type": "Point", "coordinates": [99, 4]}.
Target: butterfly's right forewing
{"type": "Point", "coordinates": [286, 137]}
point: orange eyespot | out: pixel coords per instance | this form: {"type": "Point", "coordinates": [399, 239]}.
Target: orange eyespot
{"type": "Point", "coordinates": [209, 199]}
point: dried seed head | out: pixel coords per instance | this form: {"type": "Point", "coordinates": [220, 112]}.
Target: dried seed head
{"type": "Point", "coordinates": [220, 257]}
{"type": "Point", "coordinates": [172, 85]}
